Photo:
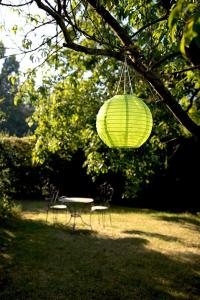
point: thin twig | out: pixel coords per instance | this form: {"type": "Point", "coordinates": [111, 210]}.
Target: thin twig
{"type": "Point", "coordinates": [165, 58]}
{"type": "Point", "coordinates": [149, 24]}
{"type": "Point", "coordinates": [36, 27]}
{"type": "Point", "coordinates": [16, 5]}
{"type": "Point", "coordinates": [42, 63]}
{"type": "Point", "coordinates": [188, 69]}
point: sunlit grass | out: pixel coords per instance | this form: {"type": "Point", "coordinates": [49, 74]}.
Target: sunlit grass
{"type": "Point", "coordinates": [143, 255]}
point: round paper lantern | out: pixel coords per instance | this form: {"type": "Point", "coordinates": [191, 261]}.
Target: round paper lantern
{"type": "Point", "coordinates": [124, 121]}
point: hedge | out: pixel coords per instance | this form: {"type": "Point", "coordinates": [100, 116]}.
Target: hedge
{"type": "Point", "coordinates": [20, 178]}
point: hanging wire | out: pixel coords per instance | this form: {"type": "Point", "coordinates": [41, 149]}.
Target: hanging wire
{"type": "Point", "coordinates": [129, 78]}
{"type": "Point", "coordinates": [154, 93]}
{"type": "Point", "coordinates": [125, 72]}
{"type": "Point", "coordinates": [120, 79]}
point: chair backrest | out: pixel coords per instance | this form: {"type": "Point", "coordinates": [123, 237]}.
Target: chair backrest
{"type": "Point", "coordinates": [105, 193]}
{"type": "Point", "coordinates": [109, 193]}
{"type": "Point", "coordinates": [51, 189]}
{"type": "Point", "coordinates": [53, 195]}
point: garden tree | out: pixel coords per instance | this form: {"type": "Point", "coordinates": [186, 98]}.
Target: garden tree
{"type": "Point", "coordinates": [138, 30]}
{"type": "Point", "coordinates": [14, 121]}
{"type": "Point", "coordinates": [65, 114]}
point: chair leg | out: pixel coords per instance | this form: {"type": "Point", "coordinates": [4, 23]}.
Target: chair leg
{"type": "Point", "coordinates": [91, 219]}
{"type": "Point", "coordinates": [99, 217]}
{"type": "Point", "coordinates": [104, 213]}
{"type": "Point", "coordinates": [97, 213]}
{"type": "Point", "coordinates": [103, 219]}
{"type": "Point", "coordinates": [110, 219]}
{"type": "Point", "coordinates": [54, 219]}
{"type": "Point", "coordinates": [47, 215]}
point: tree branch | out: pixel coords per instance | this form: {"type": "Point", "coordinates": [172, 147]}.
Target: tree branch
{"type": "Point", "coordinates": [95, 51]}
{"type": "Point", "coordinates": [43, 62]}
{"type": "Point", "coordinates": [59, 6]}
{"type": "Point", "coordinates": [187, 69]}
{"type": "Point", "coordinates": [36, 27]}
{"type": "Point", "coordinates": [16, 5]}
{"type": "Point", "coordinates": [48, 3]}
{"type": "Point", "coordinates": [39, 46]}
{"type": "Point", "coordinates": [149, 24]}
{"type": "Point", "coordinates": [113, 23]}
{"type": "Point", "coordinates": [165, 58]}
{"type": "Point", "coordinates": [72, 45]}
{"type": "Point", "coordinates": [28, 51]}
{"type": "Point", "coordinates": [86, 34]}
{"type": "Point", "coordinates": [57, 17]}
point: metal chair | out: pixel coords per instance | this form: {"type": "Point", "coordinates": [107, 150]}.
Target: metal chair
{"type": "Point", "coordinates": [104, 197]}
{"type": "Point", "coordinates": [53, 204]}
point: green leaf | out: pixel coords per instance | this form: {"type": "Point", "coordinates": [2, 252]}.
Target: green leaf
{"type": "Point", "coordinates": [191, 31]}
{"type": "Point", "coordinates": [174, 17]}
{"type": "Point", "coordinates": [26, 43]}
{"type": "Point", "coordinates": [182, 46]}
{"type": "Point", "coordinates": [14, 29]}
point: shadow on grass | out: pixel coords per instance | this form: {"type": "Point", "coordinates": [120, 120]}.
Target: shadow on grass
{"type": "Point", "coordinates": [42, 261]}
{"type": "Point", "coordinates": [127, 210]}
{"type": "Point", "coordinates": [183, 219]}
{"type": "Point", "coordinates": [150, 234]}
{"type": "Point", "coordinates": [77, 231]}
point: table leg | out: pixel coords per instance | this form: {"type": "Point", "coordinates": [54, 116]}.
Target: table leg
{"type": "Point", "coordinates": [75, 215]}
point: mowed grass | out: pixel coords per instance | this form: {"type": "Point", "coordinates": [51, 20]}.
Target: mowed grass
{"type": "Point", "coordinates": [143, 255]}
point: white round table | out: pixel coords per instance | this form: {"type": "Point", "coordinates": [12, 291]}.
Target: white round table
{"type": "Point", "coordinates": [72, 204]}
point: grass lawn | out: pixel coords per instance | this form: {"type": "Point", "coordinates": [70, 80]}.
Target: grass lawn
{"type": "Point", "coordinates": [145, 255]}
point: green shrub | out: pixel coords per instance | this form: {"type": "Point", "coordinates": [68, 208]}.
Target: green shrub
{"type": "Point", "coordinates": [19, 177]}
{"type": "Point", "coordinates": [5, 206]}
{"type": "Point", "coordinates": [5, 187]}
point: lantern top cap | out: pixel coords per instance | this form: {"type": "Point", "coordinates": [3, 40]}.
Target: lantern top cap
{"type": "Point", "coordinates": [123, 97]}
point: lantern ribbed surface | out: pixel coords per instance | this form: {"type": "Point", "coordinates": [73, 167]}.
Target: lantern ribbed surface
{"type": "Point", "coordinates": [124, 121]}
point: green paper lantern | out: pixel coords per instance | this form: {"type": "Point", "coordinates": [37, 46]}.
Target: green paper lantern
{"type": "Point", "coordinates": [124, 121]}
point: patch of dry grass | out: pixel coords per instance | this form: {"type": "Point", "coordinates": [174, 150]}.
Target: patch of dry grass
{"type": "Point", "coordinates": [144, 255]}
